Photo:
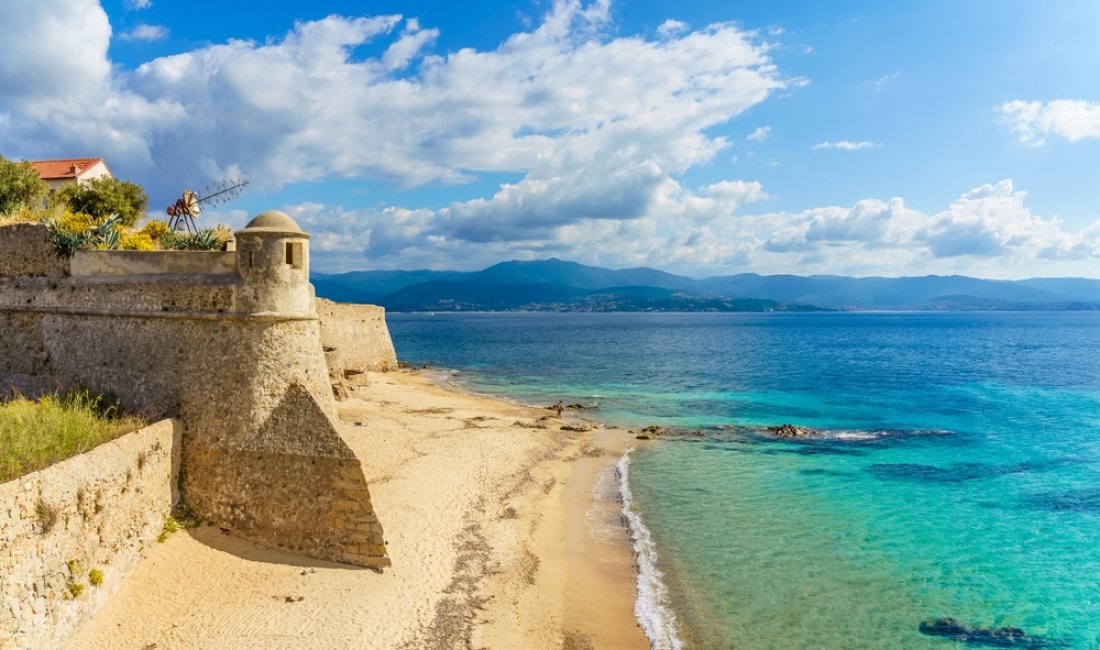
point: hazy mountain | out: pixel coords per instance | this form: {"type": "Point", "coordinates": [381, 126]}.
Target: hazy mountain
{"type": "Point", "coordinates": [560, 285]}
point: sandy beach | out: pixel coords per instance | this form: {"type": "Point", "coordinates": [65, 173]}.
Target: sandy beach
{"type": "Point", "coordinates": [496, 537]}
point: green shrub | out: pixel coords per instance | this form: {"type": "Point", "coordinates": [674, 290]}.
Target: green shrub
{"type": "Point", "coordinates": [136, 241]}
{"type": "Point", "coordinates": [73, 223]}
{"type": "Point", "coordinates": [21, 188]}
{"type": "Point", "coordinates": [101, 197]}
{"type": "Point", "coordinates": [95, 577]}
{"type": "Point", "coordinates": [156, 229]}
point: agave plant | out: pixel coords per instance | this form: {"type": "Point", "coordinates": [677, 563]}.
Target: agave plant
{"type": "Point", "coordinates": [103, 235]}
{"type": "Point", "coordinates": [67, 243]}
{"type": "Point", "coordinates": [203, 240]}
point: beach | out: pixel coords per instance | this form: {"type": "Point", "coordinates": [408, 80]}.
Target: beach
{"type": "Point", "coordinates": [496, 536]}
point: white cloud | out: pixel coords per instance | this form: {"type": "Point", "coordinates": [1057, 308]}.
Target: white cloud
{"type": "Point", "coordinates": [145, 32]}
{"type": "Point", "coordinates": [597, 130]}
{"type": "Point", "coordinates": [138, 4]}
{"type": "Point", "coordinates": [759, 134]}
{"type": "Point", "coordinates": [565, 105]}
{"type": "Point", "coordinates": [1073, 119]}
{"type": "Point", "coordinates": [33, 71]}
{"type": "Point", "coordinates": [671, 28]}
{"type": "Point", "coordinates": [847, 145]}
{"type": "Point", "coordinates": [399, 55]}
{"type": "Point", "coordinates": [986, 231]}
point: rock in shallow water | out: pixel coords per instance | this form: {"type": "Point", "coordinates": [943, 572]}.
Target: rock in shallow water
{"type": "Point", "coordinates": [793, 431]}
{"type": "Point", "coordinates": [997, 637]}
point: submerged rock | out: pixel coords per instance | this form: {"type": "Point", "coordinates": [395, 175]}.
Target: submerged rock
{"type": "Point", "coordinates": [793, 431]}
{"type": "Point", "coordinates": [997, 637]}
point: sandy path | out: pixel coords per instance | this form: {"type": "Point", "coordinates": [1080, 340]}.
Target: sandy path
{"type": "Point", "coordinates": [485, 522]}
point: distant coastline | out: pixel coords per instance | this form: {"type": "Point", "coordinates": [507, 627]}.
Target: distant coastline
{"type": "Point", "coordinates": [559, 286]}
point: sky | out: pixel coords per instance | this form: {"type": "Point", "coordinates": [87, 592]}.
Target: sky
{"type": "Point", "coordinates": [699, 137]}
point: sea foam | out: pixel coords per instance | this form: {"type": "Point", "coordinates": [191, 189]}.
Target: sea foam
{"type": "Point", "coordinates": [652, 607]}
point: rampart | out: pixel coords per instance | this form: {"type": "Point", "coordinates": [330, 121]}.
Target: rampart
{"type": "Point", "coordinates": [70, 534]}
{"type": "Point", "coordinates": [229, 343]}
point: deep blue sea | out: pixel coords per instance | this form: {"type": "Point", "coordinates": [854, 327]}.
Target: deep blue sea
{"type": "Point", "coordinates": [958, 474]}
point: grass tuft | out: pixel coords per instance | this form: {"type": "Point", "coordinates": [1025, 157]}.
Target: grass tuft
{"type": "Point", "coordinates": [35, 434]}
{"type": "Point", "coordinates": [45, 515]}
{"type": "Point", "coordinates": [170, 526]}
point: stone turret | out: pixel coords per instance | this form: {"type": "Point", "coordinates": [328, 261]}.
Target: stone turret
{"type": "Point", "coordinates": [273, 262]}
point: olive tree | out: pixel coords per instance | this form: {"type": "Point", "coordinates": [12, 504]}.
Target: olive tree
{"type": "Point", "coordinates": [20, 187]}
{"type": "Point", "coordinates": [99, 198]}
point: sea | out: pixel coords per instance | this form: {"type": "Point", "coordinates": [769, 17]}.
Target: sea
{"type": "Point", "coordinates": [955, 473]}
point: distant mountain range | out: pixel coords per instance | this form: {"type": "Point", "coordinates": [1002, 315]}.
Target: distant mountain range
{"type": "Point", "coordinates": [557, 285]}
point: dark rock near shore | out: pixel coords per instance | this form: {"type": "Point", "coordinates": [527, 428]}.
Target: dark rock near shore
{"type": "Point", "coordinates": [655, 430]}
{"type": "Point", "coordinates": [793, 431]}
{"type": "Point", "coordinates": [997, 637]}
{"type": "Point", "coordinates": [577, 426]}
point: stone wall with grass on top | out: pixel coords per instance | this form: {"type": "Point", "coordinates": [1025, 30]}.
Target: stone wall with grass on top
{"type": "Point", "coordinates": [72, 532]}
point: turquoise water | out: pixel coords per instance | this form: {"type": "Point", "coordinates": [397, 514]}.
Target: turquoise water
{"type": "Point", "coordinates": [959, 476]}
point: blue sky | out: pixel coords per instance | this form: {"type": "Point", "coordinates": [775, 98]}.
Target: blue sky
{"type": "Point", "coordinates": [862, 138]}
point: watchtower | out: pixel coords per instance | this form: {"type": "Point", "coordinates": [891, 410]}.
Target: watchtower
{"type": "Point", "coordinates": [273, 261]}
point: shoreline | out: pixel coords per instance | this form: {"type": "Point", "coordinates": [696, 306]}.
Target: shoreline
{"type": "Point", "coordinates": [489, 520]}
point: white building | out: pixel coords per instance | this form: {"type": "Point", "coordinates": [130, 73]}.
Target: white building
{"type": "Point", "coordinates": [60, 173]}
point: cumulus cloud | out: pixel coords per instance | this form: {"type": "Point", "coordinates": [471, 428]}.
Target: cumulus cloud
{"type": "Point", "coordinates": [759, 134]}
{"type": "Point", "coordinates": [145, 32]}
{"type": "Point", "coordinates": [711, 230]}
{"type": "Point", "coordinates": [988, 228]}
{"type": "Point", "coordinates": [35, 72]}
{"type": "Point", "coordinates": [847, 145]}
{"type": "Point", "coordinates": [565, 104]}
{"type": "Point", "coordinates": [1073, 119]}
{"type": "Point", "coordinates": [138, 4]}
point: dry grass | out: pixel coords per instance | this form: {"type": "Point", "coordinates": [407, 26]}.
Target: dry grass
{"type": "Point", "coordinates": [35, 434]}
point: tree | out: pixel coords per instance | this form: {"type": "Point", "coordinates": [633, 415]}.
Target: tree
{"type": "Point", "coordinates": [99, 198]}
{"type": "Point", "coordinates": [20, 186]}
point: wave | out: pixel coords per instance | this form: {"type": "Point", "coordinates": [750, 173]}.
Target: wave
{"type": "Point", "coordinates": [652, 608]}
{"type": "Point", "coordinates": [857, 435]}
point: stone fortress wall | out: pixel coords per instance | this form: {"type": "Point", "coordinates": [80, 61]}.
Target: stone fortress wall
{"type": "Point", "coordinates": [233, 346]}
{"type": "Point", "coordinates": [71, 533]}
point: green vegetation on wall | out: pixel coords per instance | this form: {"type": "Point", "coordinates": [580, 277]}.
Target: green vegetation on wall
{"type": "Point", "coordinates": [35, 434]}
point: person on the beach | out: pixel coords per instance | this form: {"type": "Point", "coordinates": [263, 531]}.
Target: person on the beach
{"type": "Point", "coordinates": [557, 407]}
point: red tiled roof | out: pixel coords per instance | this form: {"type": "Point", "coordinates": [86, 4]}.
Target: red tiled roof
{"type": "Point", "coordinates": [67, 168]}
